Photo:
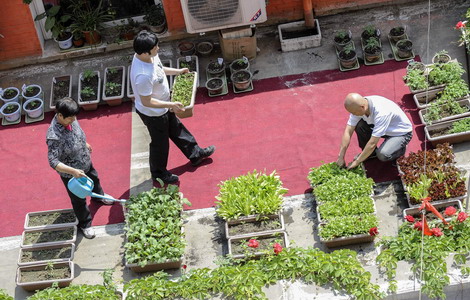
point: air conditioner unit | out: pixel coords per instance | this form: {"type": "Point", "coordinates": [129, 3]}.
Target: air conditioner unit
{"type": "Point", "coordinates": [208, 15]}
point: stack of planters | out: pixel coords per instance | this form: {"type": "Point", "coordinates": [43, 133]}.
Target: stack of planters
{"type": "Point", "coordinates": [432, 173]}
{"type": "Point", "coordinates": [251, 206]}
{"type": "Point", "coordinates": [216, 83]}
{"type": "Point", "coordinates": [443, 99]}
{"type": "Point", "coordinates": [47, 249]}
{"type": "Point", "coordinates": [241, 75]}
{"type": "Point", "coordinates": [154, 230]}
{"type": "Point", "coordinates": [345, 208]}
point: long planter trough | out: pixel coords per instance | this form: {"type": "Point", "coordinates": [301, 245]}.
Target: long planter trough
{"type": "Point", "coordinates": [234, 228]}
{"type": "Point", "coordinates": [462, 103]}
{"type": "Point", "coordinates": [453, 138]}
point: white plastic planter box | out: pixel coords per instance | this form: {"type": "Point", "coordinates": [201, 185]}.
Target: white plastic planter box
{"type": "Point", "coordinates": [56, 248]}
{"type": "Point", "coordinates": [30, 215]}
{"type": "Point", "coordinates": [423, 99]}
{"type": "Point", "coordinates": [39, 285]}
{"type": "Point", "coordinates": [347, 240]}
{"type": "Point", "coordinates": [67, 80]}
{"type": "Point", "coordinates": [279, 235]}
{"type": "Point", "coordinates": [252, 219]}
{"type": "Point", "coordinates": [462, 103]}
{"type": "Point", "coordinates": [415, 210]}
{"type": "Point", "coordinates": [303, 42]}
{"type": "Point", "coordinates": [72, 238]}
{"type": "Point", "coordinates": [189, 110]}
{"type": "Point", "coordinates": [189, 59]}
{"type": "Point", "coordinates": [90, 104]}
{"type": "Point", "coordinates": [114, 100]}
{"type": "Point", "coordinates": [453, 138]}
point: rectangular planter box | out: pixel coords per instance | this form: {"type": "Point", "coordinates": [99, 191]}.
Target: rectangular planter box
{"type": "Point", "coordinates": [92, 104]}
{"type": "Point", "coordinates": [415, 210]}
{"type": "Point", "coordinates": [320, 220]}
{"type": "Point", "coordinates": [189, 110]}
{"type": "Point", "coordinates": [31, 215]}
{"type": "Point", "coordinates": [49, 243]}
{"type": "Point", "coordinates": [193, 58]}
{"type": "Point", "coordinates": [151, 266]}
{"type": "Point", "coordinates": [55, 249]}
{"type": "Point", "coordinates": [420, 97]}
{"type": "Point", "coordinates": [447, 138]}
{"type": "Point", "coordinates": [298, 43]}
{"type": "Point", "coordinates": [282, 235]}
{"type": "Point", "coordinates": [348, 240]}
{"type": "Point", "coordinates": [462, 103]}
{"type": "Point", "coordinates": [54, 80]}
{"type": "Point", "coordinates": [114, 100]}
{"type": "Point", "coordinates": [441, 86]}
{"type": "Point", "coordinates": [39, 285]}
{"type": "Point", "coordinates": [252, 219]}
{"type": "Point", "coordinates": [130, 93]}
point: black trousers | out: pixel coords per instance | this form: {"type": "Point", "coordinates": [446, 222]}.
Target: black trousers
{"type": "Point", "coordinates": [79, 204]}
{"type": "Point", "coordinates": [161, 130]}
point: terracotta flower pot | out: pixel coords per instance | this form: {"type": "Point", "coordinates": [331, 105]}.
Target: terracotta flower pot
{"type": "Point", "coordinates": [92, 37]}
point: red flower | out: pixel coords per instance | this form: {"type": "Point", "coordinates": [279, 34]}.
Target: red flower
{"type": "Point", "coordinates": [184, 267]}
{"type": "Point", "coordinates": [436, 231]}
{"type": "Point", "coordinates": [462, 216]}
{"type": "Point", "coordinates": [410, 219]}
{"type": "Point", "coordinates": [277, 248]}
{"type": "Point", "coordinates": [459, 25]}
{"type": "Point", "coordinates": [418, 225]}
{"type": "Point", "coordinates": [450, 211]}
{"type": "Point", "coordinates": [253, 243]}
{"type": "Point", "coordinates": [373, 231]}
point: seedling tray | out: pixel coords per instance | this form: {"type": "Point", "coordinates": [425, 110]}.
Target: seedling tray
{"type": "Point", "coordinates": [224, 88]}
{"type": "Point", "coordinates": [189, 110]}
{"type": "Point", "coordinates": [347, 240]}
{"type": "Point", "coordinates": [54, 250]}
{"type": "Point", "coordinates": [378, 62]}
{"type": "Point", "coordinates": [253, 219]}
{"type": "Point", "coordinates": [31, 215]}
{"type": "Point", "coordinates": [395, 50]}
{"type": "Point", "coordinates": [462, 103]}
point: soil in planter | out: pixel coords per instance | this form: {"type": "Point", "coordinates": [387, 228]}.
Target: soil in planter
{"type": "Point", "coordinates": [9, 94]}
{"type": "Point", "coordinates": [46, 254]}
{"type": "Point", "coordinates": [298, 32]}
{"type": "Point", "coordinates": [446, 113]}
{"type": "Point", "coordinates": [43, 275]}
{"type": "Point", "coordinates": [257, 226]}
{"type": "Point", "coordinates": [10, 109]}
{"type": "Point", "coordinates": [60, 90]}
{"type": "Point", "coordinates": [115, 77]}
{"type": "Point", "coordinates": [214, 84]}
{"type": "Point", "coordinates": [241, 77]}
{"type": "Point", "coordinates": [239, 65]}
{"type": "Point", "coordinates": [215, 67]}
{"type": "Point", "coordinates": [347, 56]}
{"type": "Point", "coordinates": [430, 216]}
{"type": "Point", "coordinates": [265, 243]}
{"type": "Point", "coordinates": [397, 31]}
{"type": "Point", "coordinates": [33, 105]}
{"type": "Point", "coordinates": [52, 218]}
{"type": "Point", "coordinates": [92, 83]}
{"type": "Point", "coordinates": [440, 132]}
{"type": "Point", "coordinates": [32, 91]}
{"type": "Point", "coordinates": [48, 236]}
{"type": "Point", "coordinates": [204, 48]}
{"type": "Point", "coordinates": [442, 59]}
{"type": "Point", "coordinates": [405, 45]}
{"type": "Point", "coordinates": [191, 65]}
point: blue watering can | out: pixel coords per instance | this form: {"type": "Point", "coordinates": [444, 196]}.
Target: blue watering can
{"type": "Point", "coordinates": [83, 186]}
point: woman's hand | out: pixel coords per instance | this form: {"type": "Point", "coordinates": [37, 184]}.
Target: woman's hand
{"type": "Point", "coordinates": [77, 173]}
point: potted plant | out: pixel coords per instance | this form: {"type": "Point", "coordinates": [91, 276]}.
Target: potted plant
{"type": "Point", "coordinates": [370, 31]}
{"type": "Point", "coordinates": [342, 39]}
{"type": "Point", "coordinates": [404, 48]}
{"type": "Point", "coordinates": [372, 50]}
{"type": "Point", "coordinates": [11, 111]}
{"type": "Point", "coordinates": [56, 21]}
{"type": "Point", "coordinates": [78, 39]}
{"type": "Point", "coordinates": [33, 107]}
{"type": "Point", "coordinates": [128, 29]}
{"type": "Point", "coordinates": [155, 18]}
{"type": "Point", "coordinates": [154, 236]}
{"type": "Point", "coordinates": [184, 91]}
{"type": "Point", "coordinates": [190, 62]}
{"type": "Point", "coordinates": [415, 214]}
{"type": "Point", "coordinates": [451, 92]}
{"type": "Point", "coordinates": [89, 89]}
{"type": "Point", "coordinates": [216, 68]}
{"type": "Point", "coordinates": [453, 131]}
{"type": "Point", "coordinates": [31, 91]}
{"type": "Point", "coordinates": [113, 85]}
{"type": "Point", "coordinates": [257, 209]}
{"type": "Point", "coordinates": [61, 87]}
{"type": "Point", "coordinates": [56, 218]}
{"type": "Point", "coordinates": [186, 48]}
{"type": "Point", "coordinates": [204, 48]}
{"type": "Point", "coordinates": [215, 85]}
{"type": "Point", "coordinates": [42, 276]}
{"type": "Point", "coordinates": [347, 57]}
{"type": "Point", "coordinates": [397, 33]}
{"type": "Point", "coordinates": [10, 94]}
{"type": "Point", "coordinates": [44, 254]}
{"type": "Point", "coordinates": [48, 236]}
{"type": "Point", "coordinates": [415, 65]}
{"type": "Point", "coordinates": [88, 18]}
{"type": "Point", "coordinates": [241, 79]}
{"type": "Point", "coordinates": [239, 64]}
{"type": "Point", "coordinates": [441, 57]}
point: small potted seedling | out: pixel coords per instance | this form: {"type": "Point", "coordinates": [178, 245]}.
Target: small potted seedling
{"type": "Point", "coordinates": [397, 33]}
{"type": "Point", "coordinates": [370, 31]}
{"type": "Point", "coordinates": [33, 107]}
{"type": "Point", "coordinates": [239, 64]}
{"type": "Point", "coordinates": [342, 39]}
{"type": "Point", "coordinates": [113, 89]}
{"type": "Point", "coordinates": [9, 94]}
{"type": "Point", "coordinates": [441, 57]}
{"type": "Point", "coordinates": [31, 91]}
{"type": "Point", "coordinates": [404, 48]}
{"type": "Point", "coordinates": [242, 79]}
{"type": "Point", "coordinates": [216, 68]}
{"type": "Point", "coordinates": [348, 57]}
{"type": "Point", "coordinates": [372, 50]}
{"type": "Point", "coordinates": [11, 111]}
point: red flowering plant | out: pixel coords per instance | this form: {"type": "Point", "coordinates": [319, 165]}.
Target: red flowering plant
{"type": "Point", "coordinates": [464, 32]}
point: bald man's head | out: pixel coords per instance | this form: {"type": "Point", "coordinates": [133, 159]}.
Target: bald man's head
{"type": "Point", "coordinates": [356, 104]}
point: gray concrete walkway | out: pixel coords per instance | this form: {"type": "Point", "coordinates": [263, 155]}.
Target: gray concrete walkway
{"type": "Point", "coordinates": [202, 229]}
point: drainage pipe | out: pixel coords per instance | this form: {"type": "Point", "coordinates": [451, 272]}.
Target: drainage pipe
{"type": "Point", "coordinates": [308, 13]}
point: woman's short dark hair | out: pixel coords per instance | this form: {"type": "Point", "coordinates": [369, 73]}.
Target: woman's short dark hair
{"type": "Point", "coordinates": [67, 107]}
{"type": "Point", "coordinates": [145, 41]}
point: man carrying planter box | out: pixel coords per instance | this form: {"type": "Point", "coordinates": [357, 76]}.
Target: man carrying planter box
{"type": "Point", "coordinates": [153, 105]}
{"type": "Point", "coordinates": [373, 118]}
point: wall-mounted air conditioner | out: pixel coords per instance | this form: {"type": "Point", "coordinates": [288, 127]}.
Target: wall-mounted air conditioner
{"type": "Point", "coordinates": [208, 15]}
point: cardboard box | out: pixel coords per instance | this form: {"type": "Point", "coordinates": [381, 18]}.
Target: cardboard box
{"type": "Point", "coordinates": [236, 43]}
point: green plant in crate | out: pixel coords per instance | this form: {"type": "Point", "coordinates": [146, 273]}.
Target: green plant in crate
{"type": "Point", "coordinates": [415, 79]}
{"type": "Point", "coordinates": [344, 226]}
{"type": "Point", "coordinates": [251, 194]}
{"type": "Point", "coordinates": [359, 206]}
{"type": "Point", "coordinates": [112, 89]}
{"type": "Point", "coordinates": [445, 73]}
{"type": "Point", "coordinates": [4, 295]}
{"type": "Point", "coordinates": [327, 171]}
{"type": "Point", "coordinates": [455, 90]}
{"type": "Point", "coordinates": [443, 108]}
{"type": "Point", "coordinates": [183, 88]}
{"type": "Point", "coordinates": [344, 188]}
{"type": "Point", "coordinates": [81, 291]}
{"type": "Point", "coordinates": [460, 126]}
{"type": "Point", "coordinates": [87, 92]}
{"type": "Point", "coordinates": [419, 190]}
{"type": "Point", "coordinates": [153, 226]}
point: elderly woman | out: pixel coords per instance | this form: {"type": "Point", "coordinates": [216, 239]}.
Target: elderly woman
{"type": "Point", "coordinates": [69, 155]}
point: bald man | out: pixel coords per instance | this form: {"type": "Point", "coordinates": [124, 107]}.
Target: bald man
{"type": "Point", "coordinates": [373, 118]}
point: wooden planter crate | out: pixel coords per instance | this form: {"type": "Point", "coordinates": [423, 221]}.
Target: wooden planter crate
{"type": "Point", "coordinates": [29, 216]}
{"type": "Point", "coordinates": [39, 285]}
{"type": "Point", "coordinates": [282, 235]}
{"type": "Point", "coordinates": [453, 138]}
{"type": "Point", "coordinates": [51, 243]}
{"type": "Point", "coordinates": [21, 262]}
{"type": "Point", "coordinates": [462, 103]}
{"type": "Point", "coordinates": [253, 219]}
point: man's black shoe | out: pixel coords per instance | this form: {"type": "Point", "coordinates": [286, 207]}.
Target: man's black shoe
{"type": "Point", "coordinates": [205, 153]}
{"type": "Point", "coordinates": [169, 178]}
